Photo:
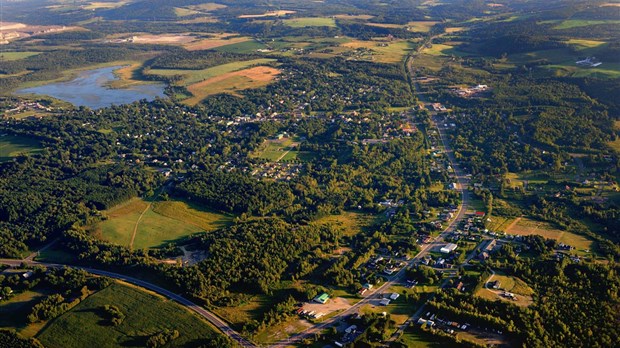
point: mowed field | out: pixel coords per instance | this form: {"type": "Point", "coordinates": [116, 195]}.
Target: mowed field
{"type": "Point", "coordinates": [276, 150]}
{"type": "Point", "coordinates": [527, 227]}
{"type": "Point", "coordinates": [12, 146]}
{"type": "Point", "coordinates": [149, 225]}
{"type": "Point", "coordinates": [146, 314]}
{"type": "Point", "coordinates": [510, 284]}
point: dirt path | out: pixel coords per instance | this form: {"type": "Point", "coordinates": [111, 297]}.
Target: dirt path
{"type": "Point", "coordinates": [135, 228]}
{"type": "Point", "coordinates": [509, 227]}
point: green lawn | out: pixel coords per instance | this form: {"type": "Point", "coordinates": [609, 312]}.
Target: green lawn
{"type": "Point", "coordinates": [12, 146]}
{"type": "Point", "coordinates": [351, 223]}
{"type": "Point", "coordinates": [242, 47]}
{"type": "Point", "coordinates": [13, 312]}
{"type": "Point", "coordinates": [158, 223]}
{"type": "Point", "coordinates": [16, 55]}
{"type": "Point", "coordinates": [303, 22]}
{"type": "Point", "coordinates": [146, 314]}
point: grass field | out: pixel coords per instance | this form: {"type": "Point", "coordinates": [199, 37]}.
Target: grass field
{"type": "Point", "coordinates": [421, 26]}
{"type": "Point", "coordinates": [580, 44]}
{"type": "Point", "coordinates": [207, 7]}
{"type": "Point", "coordinates": [499, 223]}
{"type": "Point", "coordinates": [443, 50]}
{"type": "Point", "coordinates": [351, 223]}
{"type": "Point", "coordinates": [215, 42]}
{"type": "Point", "coordinates": [578, 23]}
{"type": "Point", "coordinates": [268, 14]}
{"type": "Point", "coordinates": [511, 284]}
{"type": "Point", "coordinates": [156, 223]}
{"type": "Point", "coordinates": [304, 22]}
{"type": "Point", "coordinates": [12, 146]}
{"type": "Point", "coordinates": [4, 56]}
{"type": "Point", "coordinates": [615, 145]}
{"type": "Point", "coordinates": [394, 52]}
{"type": "Point", "coordinates": [146, 314]}
{"type": "Point", "coordinates": [526, 227]}
{"type": "Point", "coordinates": [13, 312]}
{"type": "Point", "coordinates": [276, 149]}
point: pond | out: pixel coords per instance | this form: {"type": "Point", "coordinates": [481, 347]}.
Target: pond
{"type": "Point", "coordinates": [91, 89]}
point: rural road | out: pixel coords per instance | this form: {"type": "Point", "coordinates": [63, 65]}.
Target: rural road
{"type": "Point", "coordinates": [212, 318]}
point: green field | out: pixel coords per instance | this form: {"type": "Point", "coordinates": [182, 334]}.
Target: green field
{"type": "Point", "coordinates": [193, 76]}
{"type": "Point", "coordinates": [16, 55]}
{"type": "Point", "coordinates": [13, 312]}
{"type": "Point", "coordinates": [242, 47]}
{"type": "Point", "coordinates": [577, 23]}
{"type": "Point", "coordinates": [155, 224]}
{"type": "Point", "coordinates": [351, 223]}
{"type": "Point", "coordinates": [303, 22]}
{"type": "Point", "coordinates": [443, 50]}
{"type": "Point", "coordinates": [146, 314]}
{"type": "Point", "coordinates": [13, 146]}
{"type": "Point", "coordinates": [275, 150]}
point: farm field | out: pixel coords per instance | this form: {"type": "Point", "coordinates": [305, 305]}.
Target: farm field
{"type": "Point", "coordinates": [4, 56]}
{"type": "Point", "coordinates": [13, 146]}
{"type": "Point", "coordinates": [394, 52]}
{"type": "Point", "coordinates": [421, 26]}
{"type": "Point", "coordinates": [146, 314]}
{"type": "Point", "coordinates": [268, 14]}
{"type": "Point", "coordinates": [194, 76]}
{"type": "Point", "coordinates": [232, 82]}
{"type": "Point", "coordinates": [526, 227]}
{"type": "Point", "coordinates": [443, 50]}
{"type": "Point", "coordinates": [578, 23]}
{"type": "Point", "coordinates": [304, 22]}
{"type": "Point", "coordinates": [142, 224]}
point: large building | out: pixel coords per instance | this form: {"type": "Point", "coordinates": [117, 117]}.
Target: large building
{"type": "Point", "coordinates": [448, 248]}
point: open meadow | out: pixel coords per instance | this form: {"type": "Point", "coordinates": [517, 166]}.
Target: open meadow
{"type": "Point", "coordinates": [527, 227]}
{"type": "Point", "coordinates": [146, 314]}
{"type": "Point", "coordinates": [141, 224]}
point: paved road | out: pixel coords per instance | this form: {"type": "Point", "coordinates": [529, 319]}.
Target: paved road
{"type": "Point", "coordinates": [212, 318]}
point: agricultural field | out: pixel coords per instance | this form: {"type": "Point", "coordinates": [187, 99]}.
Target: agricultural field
{"type": "Point", "coordinates": [162, 39]}
{"type": "Point", "coordinates": [578, 23]}
{"type": "Point", "coordinates": [421, 26]}
{"type": "Point", "coordinates": [207, 7]}
{"type": "Point", "coordinates": [13, 146]}
{"type": "Point", "coordinates": [146, 314]}
{"type": "Point", "coordinates": [392, 52]}
{"type": "Point", "coordinates": [304, 22]}
{"type": "Point", "coordinates": [7, 56]}
{"type": "Point", "coordinates": [526, 227]}
{"type": "Point", "coordinates": [443, 50]}
{"type": "Point", "coordinates": [232, 83]}
{"type": "Point", "coordinates": [140, 224]}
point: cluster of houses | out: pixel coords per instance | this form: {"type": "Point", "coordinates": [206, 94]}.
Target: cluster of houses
{"type": "Point", "coordinates": [447, 325]}
{"type": "Point", "coordinates": [23, 106]}
{"type": "Point", "coordinates": [471, 92]}
{"type": "Point", "coordinates": [590, 62]}
{"type": "Point", "coordinates": [278, 171]}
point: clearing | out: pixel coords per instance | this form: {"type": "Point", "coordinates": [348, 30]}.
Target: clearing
{"type": "Point", "coordinates": [382, 52]}
{"type": "Point", "coordinates": [13, 146]}
{"type": "Point", "coordinates": [510, 284]}
{"type": "Point", "coordinates": [527, 227]}
{"type": "Point", "coordinates": [8, 56]}
{"type": "Point", "coordinates": [150, 225]}
{"type": "Point", "coordinates": [146, 314]}
{"type": "Point", "coordinates": [13, 312]}
{"type": "Point", "coordinates": [275, 150]}
{"type": "Point", "coordinates": [351, 223]}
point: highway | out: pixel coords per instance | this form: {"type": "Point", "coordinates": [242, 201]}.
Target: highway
{"type": "Point", "coordinates": [212, 318]}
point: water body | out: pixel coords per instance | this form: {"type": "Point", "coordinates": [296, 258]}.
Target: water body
{"type": "Point", "coordinates": [90, 89]}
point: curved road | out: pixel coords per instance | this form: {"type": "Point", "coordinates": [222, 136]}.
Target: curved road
{"type": "Point", "coordinates": [212, 318]}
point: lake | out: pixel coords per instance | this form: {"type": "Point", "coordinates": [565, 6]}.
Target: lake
{"type": "Point", "coordinates": [90, 89]}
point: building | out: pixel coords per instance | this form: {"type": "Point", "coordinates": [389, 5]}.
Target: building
{"type": "Point", "coordinates": [384, 302]}
{"type": "Point", "coordinates": [322, 298]}
{"type": "Point", "coordinates": [367, 286]}
{"type": "Point", "coordinates": [394, 296]}
{"type": "Point", "coordinates": [450, 247]}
